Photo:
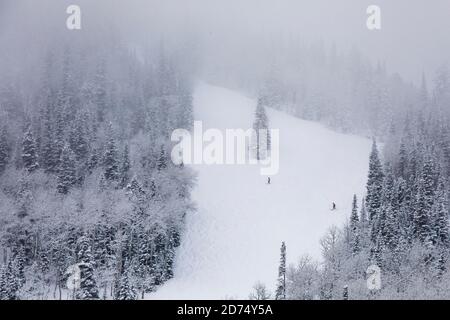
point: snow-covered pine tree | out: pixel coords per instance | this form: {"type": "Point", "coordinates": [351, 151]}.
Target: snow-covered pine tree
{"type": "Point", "coordinates": [12, 282]}
{"type": "Point", "coordinates": [374, 183]}
{"type": "Point", "coordinates": [440, 213]}
{"type": "Point", "coordinates": [377, 250]}
{"type": "Point", "coordinates": [388, 211]}
{"type": "Point", "coordinates": [3, 283]}
{"type": "Point", "coordinates": [424, 200]}
{"type": "Point", "coordinates": [78, 138]}
{"type": "Point", "coordinates": [88, 286]}
{"type": "Point", "coordinates": [134, 188]}
{"type": "Point", "coordinates": [363, 214]}
{"type": "Point", "coordinates": [110, 158]}
{"type": "Point", "coordinates": [29, 151]}
{"type": "Point", "coordinates": [4, 149]}
{"type": "Point", "coordinates": [374, 191]}
{"type": "Point", "coordinates": [43, 260]}
{"type": "Point", "coordinates": [93, 161]}
{"type": "Point", "coordinates": [66, 173]}
{"type": "Point", "coordinates": [364, 226]}
{"type": "Point", "coordinates": [261, 139]}
{"type": "Point", "coordinates": [19, 267]}
{"type": "Point", "coordinates": [445, 145]}
{"type": "Point", "coordinates": [59, 132]}
{"type": "Point", "coordinates": [151, 122]}
{"type": "Point", "coordinates": [355, 237]}
{"type": "Point", "coordinates": [390, 232]}
{"type": "Point", "coordinates": [169, 259]}
{"type": "Point", "coordinates": [158, 260]}
{"type": "Point", "coordinates": [402, 165]}
{"type": "Point", "coordinates": [125, 290]}
{"type": "Point", "coordinates": [162, 160]}
{"type": "Point", "coordinates": [281, 283]}
{"type": "Point", "coordinates": [124, 172]}
{"type": "Point", "coordinates": [400, 201]}
{"type": "Point", "coordinates": [413, 171]}
{"type": "Point", "coordinates": [144, 261]}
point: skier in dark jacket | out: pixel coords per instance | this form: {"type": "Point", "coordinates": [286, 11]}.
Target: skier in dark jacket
{"type": "Point", "coordinates": [334, 206]}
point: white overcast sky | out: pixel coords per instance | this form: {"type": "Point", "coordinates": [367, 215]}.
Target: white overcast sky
{"type": "Point", "coordinates": [415, 34]}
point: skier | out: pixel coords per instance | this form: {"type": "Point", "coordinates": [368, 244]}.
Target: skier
{"type": "Point", "coordinates": [268, 180]}
{"type": "Point", "coordinates": [334, 206]}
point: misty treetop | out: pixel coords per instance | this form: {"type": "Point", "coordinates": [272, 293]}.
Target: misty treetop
{"type": "Point", "coordinates": [402, 225]}
{"type": "Point", "coordinates": [86, 174]}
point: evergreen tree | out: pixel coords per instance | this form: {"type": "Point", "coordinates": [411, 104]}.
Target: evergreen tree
{"type": "Point", "coordinates": [110, 158]}
{"type": "Point", "coordinates": [363, 214]}
{"type": "Point", "coordinates": [162, 159]}
{"type": "Point", "coordinates": [158, 260]}
{"type": "Point", "coordinates": [4, 289]}
{"type": "Point", "coordinates": [157, 269]}
{"type": "Point", "coordinates": [387, 218]}
{"type": "Point", "coordinates": [4, 149]}
{"type": "Point", "coordinates": [78, 140]}
{"type": "Point", "coordinates": [402, 165]}
{"type": "Point", "coordinates": [144, 263]}
{"type": "Point", "coordinates": [29, 151]}
{"type": "Point", "coordinates": [377, 251]}
{"type": "Point", "coordinates": [261, 139]}
{"type": "Point", "coordinates": [374, 183]}
{"type": "Point", "coordinates": [67, 173]}
{"type": "Point", "coordinates": [59, 137]}
{"type": "Point", "coordinates": [424, 201]}
{"type": "Point", "coordinates": [125, 290]}
{"type": "Point", "coordinates": [354, 220]}
{"type": "Point", "coordinates": [88, 286]}
{"type": "Point", "coordinates": [124, 172]}
{"type": "Point", "coordinates": [281, 285]}
{"type": "Point", "coordinates": [93, 161]}
{"type": "Point", "coordinates": [354, 227]}
{"type": "Point", "coordinates": [65, 141]}
{"type": "Point", "coordinates": [390, 232]}
{"type": "Point", "coordinates": [19, 267]}
{"type": "Point", "coordinates": [12, 281]}
{"type": "Point", "coordinates": [44, 262]}
{"type": "Point", "coordinates": [363, 225]}
{"type": "Point", "coordinates": [169, 259]}
{"type": "Point", "coordinates": [440, 213]}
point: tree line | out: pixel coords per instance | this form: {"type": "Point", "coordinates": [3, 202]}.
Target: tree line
{"type": "Point", "coordinates": [86, 175]}
{"type": "Point", "coordinates": [402, 223]}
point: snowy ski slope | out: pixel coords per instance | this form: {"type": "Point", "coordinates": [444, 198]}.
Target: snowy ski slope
{"type": "Point", "coordinates": [234, 239]}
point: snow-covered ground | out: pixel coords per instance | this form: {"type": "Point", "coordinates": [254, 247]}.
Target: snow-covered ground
{"type": "Point", "coordinates": [234, 239]}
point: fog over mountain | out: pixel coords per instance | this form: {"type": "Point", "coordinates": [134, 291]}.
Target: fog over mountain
{"type": "Point", "coordinates": [413, 36]}
{"type": "Point", "coordinates": [99, 200]}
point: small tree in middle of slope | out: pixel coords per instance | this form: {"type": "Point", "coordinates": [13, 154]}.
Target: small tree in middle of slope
{"type": "Point", "coordinates": [261, 140]}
